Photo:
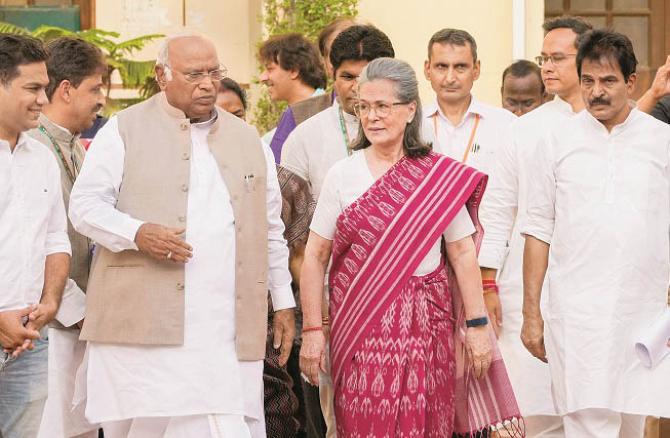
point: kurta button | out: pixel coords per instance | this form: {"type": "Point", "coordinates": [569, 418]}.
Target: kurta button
{"type": "Point", "coordinates": [180, 286]}
{"type": "Point", "coordinates": [185, 156]}
{"type": "Point", "coordinates": [184, 188]}
{"type": "Point", "coordinates": [182, 219]}
{"type": "Point", "coordinates": [184, 126]}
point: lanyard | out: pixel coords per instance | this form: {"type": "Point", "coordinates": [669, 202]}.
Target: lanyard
{"type": "Point", "coordinates": [472, 134]}
{"type": "Point", "coordinates": [70, 173]}
{"type": "Point", "coordinates": [345, 133]}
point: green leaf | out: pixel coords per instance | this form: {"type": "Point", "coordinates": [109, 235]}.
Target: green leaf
{"type": "Point", "coordinates": [11, 28]}
{"type": "Point", "coordinates": [138, 43]}
{"type": "Point", "coordinates": [46, 32]}
{"type": "Point", "coordinates": [135, 73]}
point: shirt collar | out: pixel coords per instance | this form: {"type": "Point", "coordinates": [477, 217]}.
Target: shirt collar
{"type": "Point", "coordinates": [58, 132]}
{"type": "Point", "coordinates": [475, 107]}
{"type": "Point", "coordinates": [22, 142]}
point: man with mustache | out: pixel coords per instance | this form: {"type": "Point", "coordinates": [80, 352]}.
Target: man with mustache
{"type": "Point", "coordinates": [183, 202]}
{"type": "Point", "coordinates": [320, 141]}
{"type": "Point", "coordinates": [597, 225]}
{"type": "Point", "coordinates": [504, 212]}
{"type": "Point", "coordinates": [75, 93]}
{"type": "Point", "coordinates": [34, 246]}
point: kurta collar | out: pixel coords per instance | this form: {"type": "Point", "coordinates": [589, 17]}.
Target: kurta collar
{"type": "Point", "coordinates": [632, 116]}
{"type": "Point", "coordinates": [563, 105]}
{"type": "Point", "coordinates": [59, 133]}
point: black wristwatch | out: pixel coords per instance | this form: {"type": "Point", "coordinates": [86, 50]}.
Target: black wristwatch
{"type": "Point", "coordinates": [476, 322]}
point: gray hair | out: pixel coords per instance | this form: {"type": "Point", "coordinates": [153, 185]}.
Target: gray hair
{"type": "Point", "coordinates": [163, 59]}
{"type": "Point", "coordinates": [406, 88]}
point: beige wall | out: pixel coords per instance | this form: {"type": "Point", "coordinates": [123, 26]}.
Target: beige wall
{"type": "Point", "coordinates": [235, 27]}
{"type": "Point", "coordinates": [489, 21]}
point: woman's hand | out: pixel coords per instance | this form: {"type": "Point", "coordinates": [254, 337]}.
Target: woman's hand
{"type": "Point", "coordinates": [313, 355]}
{"type": "Point", "coordinates": [478, 348]}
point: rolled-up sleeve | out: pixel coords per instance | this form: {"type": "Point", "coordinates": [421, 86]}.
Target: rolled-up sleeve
{"type": "Point", "coordinates": [57, 240]}
{"type": "Point", "coordinates": [93, 199]}
{"type": "Point", "coordinates": [542, 193]}
{"type": "Point", "coordinates": [279, 277]}
{"type": "Point", "coordinates": [499, 207]}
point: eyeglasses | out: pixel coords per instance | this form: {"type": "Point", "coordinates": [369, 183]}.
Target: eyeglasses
{"type": "Point", "coordinates": [198, 76]}
{"type": "Point", "coordinates": [382, 109]}
{"type": "Point", "coordinates": [555, 59]}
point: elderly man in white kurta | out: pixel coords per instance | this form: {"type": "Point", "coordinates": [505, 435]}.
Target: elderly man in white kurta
{"type": "Point", "coordinates": [599, 216]}
{"type": "Point", "coordinates": [176, 312]}
{"type": "Point", "coordinates": [504, 215]}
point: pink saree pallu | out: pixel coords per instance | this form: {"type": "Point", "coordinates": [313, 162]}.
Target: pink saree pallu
{"type": "Point", "coordinates": [397, 341]}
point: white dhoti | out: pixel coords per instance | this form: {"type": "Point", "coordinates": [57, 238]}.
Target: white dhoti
{"type": "Point", "coordinates": [63, 417]}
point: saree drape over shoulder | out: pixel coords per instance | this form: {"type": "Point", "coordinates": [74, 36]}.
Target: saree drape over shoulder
{"type": "Point", "coordinates": [398, 358]}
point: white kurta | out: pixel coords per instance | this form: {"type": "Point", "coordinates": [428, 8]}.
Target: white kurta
{"type": "Point", "coordinates": [346, 181]}
{"type": "Point", "coordinates": [503, 215]}
{"type": "Point", "coordinates": [202, 376]}
{"type": "Point", "coordinates": [602, 200]}
{"type": "Point", "coordinates": [318, 143]}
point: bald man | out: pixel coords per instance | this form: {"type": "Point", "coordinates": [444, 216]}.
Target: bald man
{"type": "Point", "coordinates": [184, 204]}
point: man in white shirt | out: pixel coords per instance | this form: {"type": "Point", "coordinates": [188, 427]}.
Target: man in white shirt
{"type": "Point", "coordinates": [183, 202]}
{"type": "Point", "coordinates": [504, 213]}
{"type": "Point", "coordinates": [598, 217]}
{"type": "Point", "coordinates": [457, 124]}
{"type": "Point", "coordinates": [75, 93]}
{"type": "Point", "coordinates": [34, 247]}
{"type": "Point", "coordinates": [322, 140]}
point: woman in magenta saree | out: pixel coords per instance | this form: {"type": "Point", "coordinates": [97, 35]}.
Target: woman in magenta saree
{"type": "Point", "coordinates": [402, 362]}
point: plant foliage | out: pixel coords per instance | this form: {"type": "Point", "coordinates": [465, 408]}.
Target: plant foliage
{"type": "Point", "coordinates": [134, 74]}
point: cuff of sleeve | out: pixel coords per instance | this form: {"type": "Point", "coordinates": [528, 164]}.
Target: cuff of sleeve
{"type": "Point", "coordinates": [490, 257]}
{"type": "Point", "coordinates": [538, 234]}
{"type": "Point", "coordinates": [129, 230]}
{"type": "Point", "coordinates": [58, 243]}
{"type": "Point", "coordinates": [72, 306]}
{"type": "Point", "coordinates": [282, 298]}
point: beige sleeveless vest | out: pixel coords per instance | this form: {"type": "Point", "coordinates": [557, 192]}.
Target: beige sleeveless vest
{"type": "Point", "coordinates": [134, 299]}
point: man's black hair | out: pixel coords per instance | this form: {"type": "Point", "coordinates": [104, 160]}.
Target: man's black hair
{"type": "Point", "coordinates": [360, 43]}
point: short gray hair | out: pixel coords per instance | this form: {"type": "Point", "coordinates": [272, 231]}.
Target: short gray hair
{"type": "Point", "coordinates": [406, 89]}
{"type": "Point", "coordinates": [163, 58]}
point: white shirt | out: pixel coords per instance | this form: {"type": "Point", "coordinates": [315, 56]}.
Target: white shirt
{"type": "Point", "coordinates": [346, 181]}
{"type": "Point", "coordinates": [452, 141]}
{"type": "Point", "coordinates": [317, 143]}
{"type": "Point", "coordinates": [202, 376]}
{"type": "Point", "coordinates": [33, 224]}
{"type": "Point", "coordinates": [502, 215]}
{"type": "Point", "coordinates": [602, 200]}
